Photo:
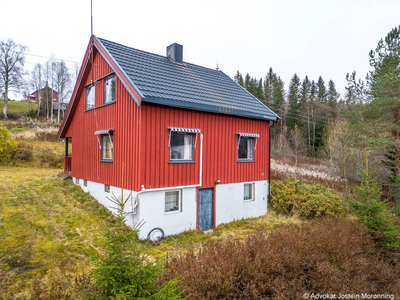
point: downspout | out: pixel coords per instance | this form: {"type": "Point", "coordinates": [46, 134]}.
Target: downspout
{"type": "Point", "coordinates": [269, 166]}
{"type": "Point", "coordinates": [134, 205]}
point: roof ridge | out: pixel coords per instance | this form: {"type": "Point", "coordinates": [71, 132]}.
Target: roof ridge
{"type": "Point", "coordinates": [159, 55]}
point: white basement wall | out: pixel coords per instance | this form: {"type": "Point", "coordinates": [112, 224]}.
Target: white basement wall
{"type": "Point", "coordinates": [229, 206]}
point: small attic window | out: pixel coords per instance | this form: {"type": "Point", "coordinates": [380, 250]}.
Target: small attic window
{"type": "Point", "coordinates": [109, 89]}
{"type": "Point", "coordinates": [90, 97]}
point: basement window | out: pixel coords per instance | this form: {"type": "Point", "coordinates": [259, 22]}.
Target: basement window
{"type": "Point", "coordinates": [85, 182]}
{"type": "Point", "coordinates": [248, 194]}
{"type": "Point", "coordinates": [90, 97]}
{"type": "Point", "coordinates": [107, 188]}
{"type": "Point", "coordinates": [109, 90]}
{"type": "Point", "coordinates": [172, 201]}
{"type": "Point", "coordinates": [77, 180]}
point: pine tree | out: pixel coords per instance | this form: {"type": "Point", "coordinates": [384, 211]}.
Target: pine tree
{"type": "Point", "coordinates": [384, 87]}
{"type": "Point", "coordinates": [321, 90]}
{"type": "Point", "coordinates": [239, 78]}
{"type": "Point", "coordinates": [332, 97]}
{"type": "Point", "coordinates": [294, 100]}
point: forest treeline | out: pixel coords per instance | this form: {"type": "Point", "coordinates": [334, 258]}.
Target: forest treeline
{"type": "Point", "coordinates": [356, 130]}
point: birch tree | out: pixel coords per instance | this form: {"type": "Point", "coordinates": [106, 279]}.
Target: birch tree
{"type": "Point", "coordinates": [12, 60]}
{"type": "Point", "coordinates": [62, 80]}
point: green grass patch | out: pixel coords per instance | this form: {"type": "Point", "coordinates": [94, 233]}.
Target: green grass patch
{"type": "Point", "coordinates": [18, 106]}
{"type": "Point", "coordinates": [46, 224]}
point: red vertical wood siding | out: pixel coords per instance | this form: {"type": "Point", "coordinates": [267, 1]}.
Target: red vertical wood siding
{"type": "Point", "coordinates": [141, 141]}
{"type": "Point", "coordinates": [220, 154]}
{"type": "Point", "coordinates": [122, 116]}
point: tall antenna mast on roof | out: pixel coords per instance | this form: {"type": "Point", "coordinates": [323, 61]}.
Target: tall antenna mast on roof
{"type": "Point", "coordinates": [91, 18]}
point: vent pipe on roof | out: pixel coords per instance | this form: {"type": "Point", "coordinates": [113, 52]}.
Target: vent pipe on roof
{"type": "Point", "coordinates": [175, 53]}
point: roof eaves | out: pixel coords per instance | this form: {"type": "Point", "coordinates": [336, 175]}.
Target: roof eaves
{"type": "Point", "coordinates": [277, 117]}
{"type": "Point", "coordinates": [209, 108]}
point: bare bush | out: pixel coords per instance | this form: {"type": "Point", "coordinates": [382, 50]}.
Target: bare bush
{"type": "Point", "coordinates": [330, 256]}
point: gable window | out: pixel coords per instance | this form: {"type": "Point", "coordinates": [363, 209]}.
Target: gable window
{"type": "Point", "coordinates": [182, 142]}
{"type": "Point", "coordinates": [109, 90]}
{"type": "Point", "coordinates": [172, 201]}
{"type": "Point", "coordinates": [90, 97]}
{"type": "Point", "coordinates": [248, 194]}
{"type": "Point", "coordinates": [246, 145]}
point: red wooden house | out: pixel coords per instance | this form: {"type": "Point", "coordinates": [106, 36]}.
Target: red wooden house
{"type": "Point", "coordinates": [195, 144]}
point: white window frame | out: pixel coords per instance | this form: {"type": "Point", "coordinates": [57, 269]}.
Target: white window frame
{"type": "Point", "coordinates": [252, 189]}
{"type": "Point", "coordinates": [89, 90]}
{"type": "Point", "coordinates": [253, 138]}
{"type": "Point", "coordinates": [179, 201]}
{"type": "Point", "coordinates": [186, 132]}
{"type": "Point", "coordinates": [111, 92]}
{"type": "Point", "coordinates": [105, 137]}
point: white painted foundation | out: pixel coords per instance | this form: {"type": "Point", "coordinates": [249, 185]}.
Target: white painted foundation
{"type": "Point", "coordinates": [229, 206]}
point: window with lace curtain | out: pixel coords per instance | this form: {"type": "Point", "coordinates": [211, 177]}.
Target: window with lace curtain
{"type": "Point", "coordinates": [172, 201]}
{"type": "Point", "coordinates": [181, 147]}
{"type": "Point", "coordinates": [246, 149]}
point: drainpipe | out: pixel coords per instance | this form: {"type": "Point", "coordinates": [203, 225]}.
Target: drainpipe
{"type": "Point", "coordinates": [174, 187]}
{"type": "Point", "coordinates": [269, 168]}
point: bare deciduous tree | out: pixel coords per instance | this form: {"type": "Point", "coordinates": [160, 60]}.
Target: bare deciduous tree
{"type": "Point", "coordinates": [63, 82]}
{"type": "Point", "coordinates": [37, 84]}
{"type": "Point", "coordinates": [12, 59]}
{"type": "Point", "coordinates": [295, 136]}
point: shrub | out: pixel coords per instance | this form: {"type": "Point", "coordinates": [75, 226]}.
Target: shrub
{"type": "Point", "coordinates": [7, 144]}
{"type": "Point", "coordinates": [123, 271]}
{"type": "Point", "coordinates": [376, 213]}
{"type": "Point", "coordinates": [325, 256]}
{"type": "Point", "coordinates": [49, 158]}
{"type": "Point", "coordinates": [31, 113]}
{"type": "Point", "coordinates": [311, 201]}
{"type": "Point", "coordinates": [23, 153]}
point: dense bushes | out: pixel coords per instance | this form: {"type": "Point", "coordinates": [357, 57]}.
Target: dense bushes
{"type": "Point", "coordinates": [294, 196]}
{"type": "Point", "coordinates": [7, 144]}
{"type": "Point", "coordinates": [328, 256]}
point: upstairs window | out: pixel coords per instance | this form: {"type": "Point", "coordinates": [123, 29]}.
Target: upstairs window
{"type": "Point", "coordinates": [90, 97]}
{"type": "Point", "coordinates": [246, 145]}
{"type": "Point", "coordinates": [182, 143]}
{"type": "Point", "coordinates": [109, 89]}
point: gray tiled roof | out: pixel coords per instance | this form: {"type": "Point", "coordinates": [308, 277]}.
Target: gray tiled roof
{"type": "Point", "coordinates": [190, 86]}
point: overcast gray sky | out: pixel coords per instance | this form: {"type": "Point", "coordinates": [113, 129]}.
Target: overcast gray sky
{"type": "Point", "coordinates": [307, 37]}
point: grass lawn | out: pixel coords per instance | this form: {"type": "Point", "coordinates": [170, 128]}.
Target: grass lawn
{"type": "Point", "coordinates": [46, 223]}
{"type": "Point", "coordinates": [17, 106]}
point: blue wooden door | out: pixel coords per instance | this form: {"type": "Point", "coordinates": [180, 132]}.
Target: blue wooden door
{"type": "Point", "coordinates": [205, 214]}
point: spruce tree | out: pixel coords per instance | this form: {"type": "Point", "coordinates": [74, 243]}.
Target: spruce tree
{"type": "Point", "coordinates": [239, 78]}
{"type": "Point", "coordinates": [294, 97]}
